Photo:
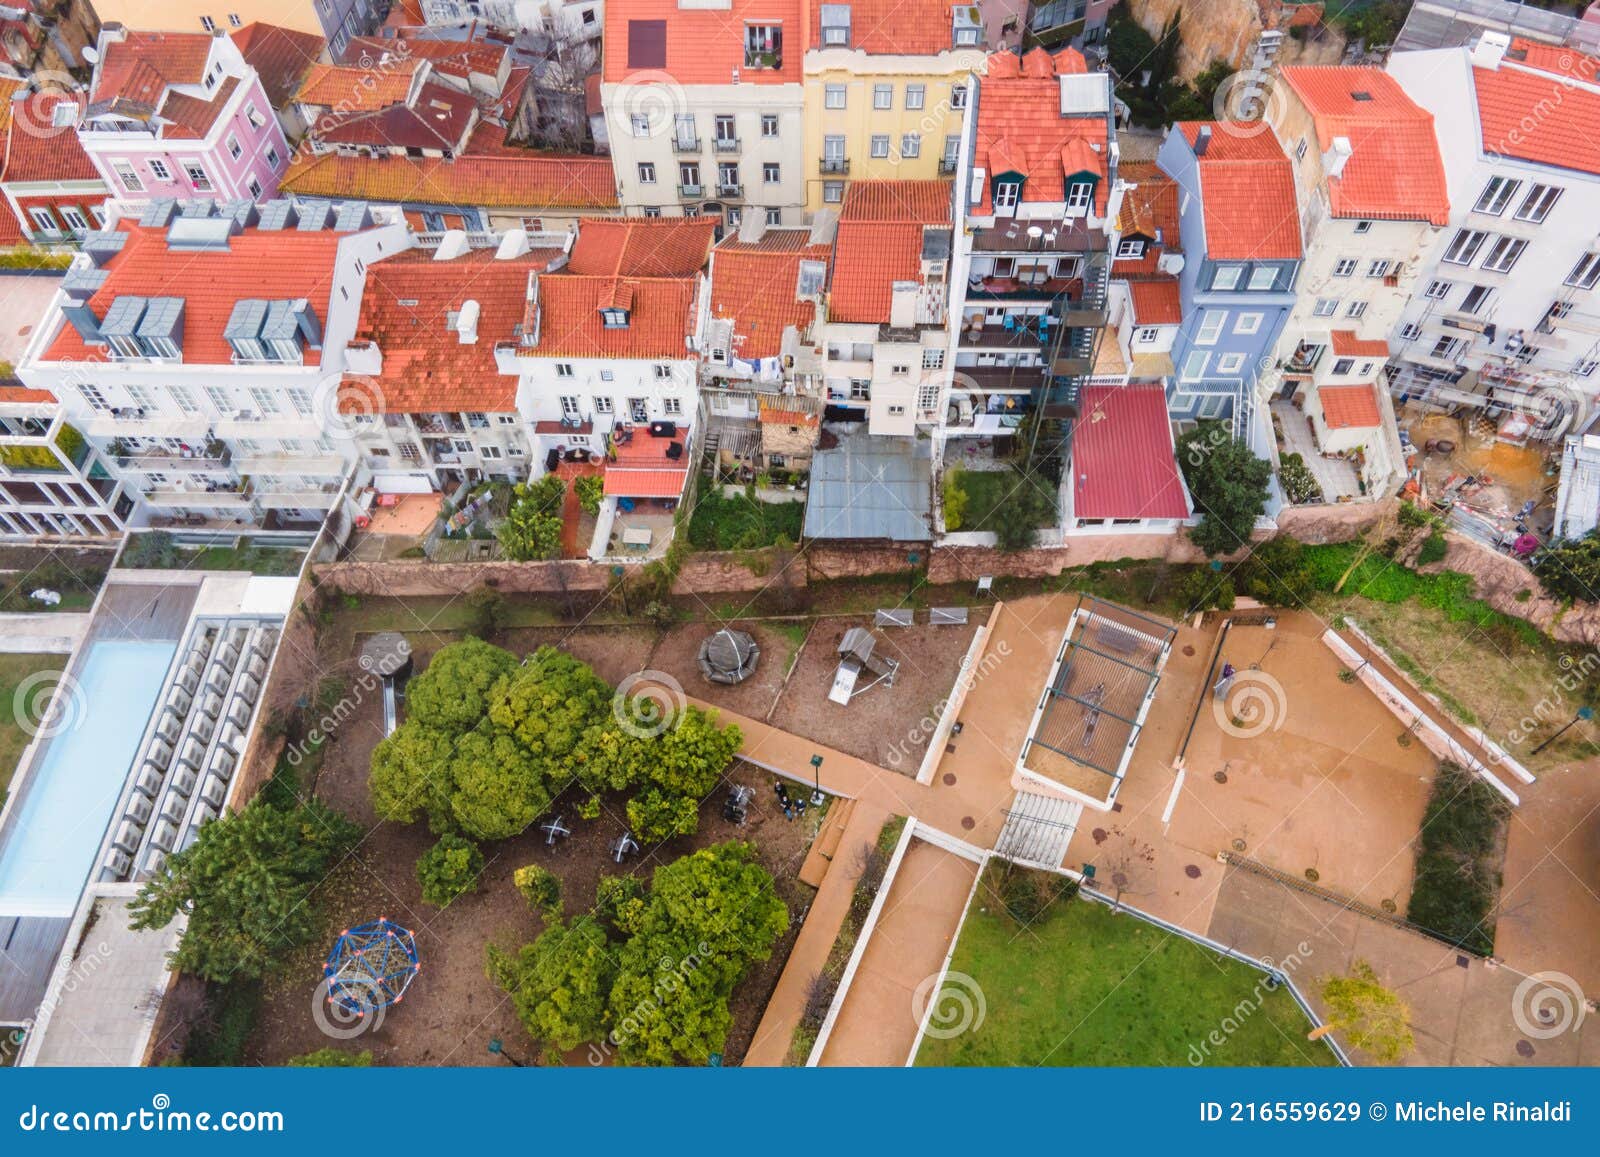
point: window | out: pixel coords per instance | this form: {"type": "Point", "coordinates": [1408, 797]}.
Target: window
{"type": "Point", "coordinates": [833, 192]}
{"type": "Point", "coordinates": [1586, 273]}
{"type": "Point", "coordinates": [1526, 354]}
{"type": "Point", "coordinates": [264, 400]}
{"type": "Point", "coordinates": [159, 170]}
{"type": "Point", "coordinates": [1325, 307]}
{"type": "Point", "coordinates": [1537, 204]}
{"type": "Point", "coordinates": [647, 173]}
{"type": "Point", "coordinates": [44, 221]}
{"type": "Point", "coordinates": [883, 96]}
{"type": "Point", "coordinates": [774, 216]}
{"type": "Point", "coordinates": [614, 318]}
{"type": "Point", "coordinates": [563, 369]}
{"type": "Point", "coordinates": [932, 359]}
{"type": "Point", "coordinates": [663, 372]}
{"type": "Point", "coordinates": [958, 96]}
{"type": "Point", "coordinates": [769, 124]}
{"type": "Point", "coordinates": [93, 396]}
{"type": "Point", "coordinates": [1345, 267]}
{"type": "Point", "coordinates": [253, 116]}
{"type": "Point", "coordinates": [833, 96]}
{"type": "Point", "coordinates": [1344, 366]}
{"type": "Point", "coordinates": [1464, 246]}
{"type": "Point", "coordinates": [1194, 366]}
{"type": "Point", "coordinates": [689, 176]}
{"type": "Point", "coordinates": [569, 406]}
{"type": "Point", "coordinates": [235, 150]}
{"type": "Point", "coordinates": [1263, 277]}
{"type": "Point", "coordinates": [1496, 196]}
{"type": "Point", "coordinates": [1211, 323]}
{"type": "Point", "coordinates": [915, 95]}
{"type": "Point", "coordinates": [272, 156]}
{"type": "Point", "coordinates": [129, 178]}
{"type": "Point", "coordinates": [1146, 335]}
{"type": "Point", "coordinates": [1378, 268]}
{"type": "Point", "coordinates": [1080, 195]}
{"type": "Point", "coordinates": [185, 399]}
{"type": "Point", "coordinates": [880, 146]}
{"type": "Point", "coordinates": [860, 391]}
{"type": "Point", "coordinates": [1410, 331]}
{"type": "Point", "coordinates": [771, 172]}
{"type": "Point", "coordinates": [1130, 248]}
{"type": "Point", "coordinates": [652, 210]}
{"type": "Point", "coordinates": [490, 451]}
{"type": "Point", "coordinates": [233, 19]}
{"type": "Point", "coordinates": [726, 130]}
{"type": "Point", "coordinates": [910, 145]}
{"type": "Point", "coordinates": [254, 185]}
{"type": "Point", "coordinates": [1356, 309]}
{"type": "Point", "coordinates": [1227, 277]}
{"type": "Point", "coordinates": [208, 24]}
{"type": "Point", "coordinates": [637, 410]}
{"type": "Point", "coordinates": [1476, 296]}
{"type": "Point", "coordinates": [196, 173]}
{"type": "Point", "coordinates": [1300, 148]}
{"type": "Point", "coordinates": [602, 405]}
{"type": "Point", "coordinates": [1248, 323]}
{"type": "Point", "coordinates": [1446, 348]}
{"type": "Point", "coordinates": [1230, 363]}
{"type": "Point", "coordinates": [1503, 254]}
{"type": "Point", "coordinates": [1438, 290]}
{"type": "Point", "coordinates": [1586, 367]}
{"type": "Point", "coordinates": [1005, 196]}
{"type": "Point", "coordinates": [672, 407]}
{"type": "Point", "coordinates": [1212, 405]}
{"type": "Point", "coordinates": [1363, 227]}
{"type": "Point", "coordinates": [641, 124]}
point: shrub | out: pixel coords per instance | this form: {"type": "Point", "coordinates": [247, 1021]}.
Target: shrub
{"type": "Point", "coordinates": [591, 488]}
{"type": "Point", "coordinates": [1457, 879]}
{"type": "Point", "coordinates": [955, 500]}
{"type": "Point", "coordinates": [1433, 549]}
{"type": "Point", "coordinates": [331, 1058]}
{"type": "Point", "coordinates": [486, 609]}
{"type": "Point", "coordinates": [1027, 893]}
{"type": "Point", "coordinates": [1279, 573]}
{"type": "Point", "coordinates": [1204, 589]}
{"type": "Point", "coordinates": [541, 888]}
{"type": "Point", "coordinates": [449, 870]}
{"type": "Point", "coordinates": [1299, 484]}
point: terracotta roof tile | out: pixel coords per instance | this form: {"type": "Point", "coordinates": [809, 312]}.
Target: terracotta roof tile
{"type": "Point", "coordinates": [774, 415]}
{"type": "Point", "coordinates": [1560, 60]}
{"type": "Point", "coordinates": [438, 118]}
{"type": "Point", "coordinates": [1565, 138]}
{"type": "Point", "coordinates": [1247, 192]}
{"type": "Point", "coordinates": [1394, 170]}
{"type": "Point", "coordinates": [530, 181]}
{"type": "Point", "coordinates": [274, 266]}
{"type": "Point", "coordinates": [755, 285]}
{"type": "Point", "coordinates": [642, 246]}
{"type": "Point", "coordinates": [1020, 128]}
{"type": "Point", "coordinates": [644, 483]}
{"type": "Point", "coordinates": [879, 242]}
{"type": "Point", "coordinates": [35, 149]}
{"type": "Point", "coordinates": [191, 117]}
{"type": "Point", "coordinates": [1122, 456]}
{"type": "Point", "coordinates": [456, 58]}
{"type": "Point", "coordinates": [891, 27]}
{"type": "Point", "coordinates": [1347, 344]}
{"type": "Point", "coordinates": [280, 56]}
{"type": "Point", "coordinates": [1349, 407]}
{"type": "Point", "coordinates": [25, 396]}
{"type": "Point", "coordinates": [353, 89]}
{"type": "Point", "coordinates": [653, 40]}
{"type": "Point", "coordinates": [405, 309]}
{"type": "Point", "coordinates": [570, 323]}
{"type": "Point", "coordinates": [1156, 301]}
{"type": "Point", "coordinates": [139, 68]}
{"type": "Point", "coordinates": [1149, 210]}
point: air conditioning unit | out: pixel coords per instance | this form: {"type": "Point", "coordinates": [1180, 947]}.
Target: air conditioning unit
{"type": "Point", "coordinates": [193, 752]}
{"type": "Point", "coordinates": [127, 837]}
{"type": "Point", "coordinates": [164, 835]}
{"type": "Point", "coordinates": [149, 781]}
{"type": "Point", "coordinates": [155, 862]}
{"type": "Point", "coordinates": [232, 737]}
{"type": "Point", "coordinates": [222, 764]}
{"type": "Point", "coordinates": [203, 729]}
{"type": "Point", "coordinates": [189, 678]}
{"type": "Point", "coordinates": [214, 791]}
{"type": "Point", "coordinates": [174, 808]}
{"type": "Point", "coordinates": [256, 667]}
{"type": "Point", "coordinates": [118, 863]}
{"type": "Point", "coordinates": [183, 781]}
{"type": "Point", "coordinates": [161, 754]}
{"type": "Point", "coordinates": [179, 701]}
{"type": "Point", "coordinates": [139, 809]}
{"type": "Point", "coordinates": [229, 656]}
{"type": "Point", "coordinates": [239, 714]}
{"type": "Point", "coordinates": [248, 689]}
{"type": "Point", "coordinates": [168, 727]}
{"type": "Point", "coordinates": [211, 705]}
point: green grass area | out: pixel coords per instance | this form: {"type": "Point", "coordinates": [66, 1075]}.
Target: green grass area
{"type": "Point", "coordinates": [1082, 985]}
{"type": "Point", "coordinates": [989, 490]}
{"type": "Point", "coordinates": [1457, 880]}
{"type": "Point", "coordinates": [156, 550]}
{"type": "Point", "coordinates": [14, 738]}
{"type": "Point", "coordinates": [740, 522]}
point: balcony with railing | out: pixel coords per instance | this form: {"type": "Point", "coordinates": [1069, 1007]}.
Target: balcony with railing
{"type": "Point", "coordinates": [947, 166]}
{"type": "Point", "coordinates": [730, 189]}
{"type": "Point", "coordinates": [834, 166]}
{"type": "Point", "coordinates": [681, 144]}
{"type": "Point", "coordinates": [726, 144]}
{"type": "Point", "coordinates": [694, 189]}
{"type": "Point", "coordinates": [200, 458]}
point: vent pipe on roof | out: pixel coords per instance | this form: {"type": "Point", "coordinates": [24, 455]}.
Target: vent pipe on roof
{"type": "Point", "coordinates": [467, 323]}
{"type": "Point", "coordinates": [1202, 141]}
{"type": "Point", "coordinates": [452, 245]}
{"type": "Point", "coordinates": [1490, 50]}
{"type": "Point", "coordinates": [513, 245]}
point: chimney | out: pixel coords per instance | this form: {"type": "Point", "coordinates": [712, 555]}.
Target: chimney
{"type": "Point", "coordinates": [467, 323]}
{"type": "Point", "coordinates": [452, 245]}
{"type": "Point", "coordinates": [1202, 141]}
{"type": "Point", "coordinates": [513, 245]}
{"type": "Point", "coordinates": [903, 305]}
{"type": "Point", "coordinates": [752, 227]}
{"type": "Point", "coordinates": [1490, 50]}
{"type": "Point", "coordinates": [83, 319]}
{"type": "Point", "coordinates": [1337, 156]}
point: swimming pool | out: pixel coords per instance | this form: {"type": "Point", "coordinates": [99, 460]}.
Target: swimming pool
{"type": "Point", "coordinates": [56, 833]}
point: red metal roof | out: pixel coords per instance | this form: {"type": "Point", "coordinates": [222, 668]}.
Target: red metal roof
{"type": "Point", "coordinates": [1122, 456]}
{"type": "Point", "coordinates": [1527, 116]}
{"type": "Point", "coordinates": [755, 285]}
{"type": "Point", "coordinates": [1021, 130]}
{"type": "Point", "coordinates": [1394, 170]}
{"type": "Point", "coordinates": [1347, 344]}
{"type": "Point", "coordinates": [642, 246]}
{"type": "Point", "coordinates": [1156, 301]}
{"type": "Point", "coordinates": [1349, 407]}
{"type": "Point", "coordinates": [653, 41]}
{"type": "Point", "coordinates": [623, 483]}
{"type": "Point", "coordinates": [879, 242]}
{"type": "Point", "coordinates": [1246, 191]}
{"type": "Point", "coordinates": [531, 180]}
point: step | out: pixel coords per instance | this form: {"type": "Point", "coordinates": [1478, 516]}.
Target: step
{"type": "Point", "coordinates": [826, 844]}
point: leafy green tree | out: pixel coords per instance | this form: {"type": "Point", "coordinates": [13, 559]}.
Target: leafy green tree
{"type": "Point", "coordinates": [411, 773]}
{"type": "Point", "coordinates": [669, 1004]}
{"type": "Point", "coordinates": [1279, 573]}
{"type": "Point", "coordinates": [1570, 568]}
{"type": "Point", "coordinates": [332, 1058]}
{"type": "Point", "coordinates": [531, 528]}
{"type": "Point", "coordinates": [541, 888]}
{"type": "Point", "coordinates": [1228, 484]}
{"type": "Point", "coordinates": [497, 786]}
{"type": "Point", "coordinates": [449, 870]}
{"type": "Point", "coordinates": [656, 816]}
{"type": "Point", "coordinates": [550, 703]}
{"type": "Point", "coordinates": [245, 885]}
{"type": "Point", "coordinates": [486, 612]}
{"type": "Point", "coordinates": [621, 902]}
{"type": "Point", "coordinates": [591, 490]}
{"type": "Point", "coordinates": [1373, 1018]}
{"type": "Point", "coordinates": [721, 899]}
{"type": "Point", "coordinates": [452, 692]}
{"type": "Point", "coordinates": [560, 984]}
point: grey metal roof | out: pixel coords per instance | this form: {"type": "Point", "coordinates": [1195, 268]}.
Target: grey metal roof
{"type": "Point", "coordinates": [351, 216]}
{"type": "Point", "coordinates": [245, 320]}
{"type": "Point", "coordinates": [200, 207]}
{"type": "Point", "coordinates": [102, 245]}
{"type": "Point", "coordinates": [84, 281]}
{"type": "Point", "coordinates": [200, 233]}
{"type": "Point", "coordinates": [276, 215]}
{"type": "Point", "coordinates": [281, 323]}
{"type": "Point", "coordinates": [163, 318]}
{"type": "Point", "coordinates": [870, 487]}
{"type": "Point", "coordinates": [122, 319]}
{"type": "Point", "coordinates": [314, 215]}
{"type": "Point", "coordinates": [158, 213]}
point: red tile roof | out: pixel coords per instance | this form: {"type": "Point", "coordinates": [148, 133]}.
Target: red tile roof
{"type": "Point", "coordinates": [1156, 301]}
{"type": "Point", "coordinates": [35, 148]}
{"type": "Point", "coordinates": [1149, 210]}
{"type": "Point", "coordinates": [879, 242]}
{"type": "Point", "coordinates": [891, 27]}
{"type": "Point", "coordinates": [135, 71]}
{"type": "Point", "coordinates": [1021, 130]}
{"type": "Point", "coordinates": [1394, 171]}
{"type": "Point", "coordinates": [645, 450]}
{"type": "Point", "coordinates": [570, 325]}
{"type": "Point", "coordinates": [1564, 137]}
{"type": "Point", "coordinates": [350, 89]}
{"type": "Point", "coordinates": [651, 41]}
{"type": "Point", "coordinates": [755, 286]}
{"type": "Point", "coordinates": [1349, 407]}
{"type": "Point", "coordinates": [455, 58]}
{"type": "Point", "coordinates": [774, 415]}
{"type": "Point", "coordinates": [10, 227]}
{"type": "Point", "coordinates": [280, 56]}
{"type": "Point", "coordinates": [642, 246]}
{"type": "Point", "coordinates": [1560, 60]}
{"type": "Point", "coordinates": [1347, 344]}
{"type": "Point", "coordinates": [438, 118]}
{"type": "Point", "coordinates": [531, 180]}
{"type": "Point", "coordinates": [1122, 456]}
{"type": "Point", "coordinates": [191, 117]}
{"type": "Point", "coordinates": [644, 483]}
{"type": "Point", "coordinates": [405, 308]}
{"type": "Point", "coordinates": [1246, 191]}
{"type": "Point", "coordinates": [274, 266]}
{"type": "Point", "coordinates": [25, 396]}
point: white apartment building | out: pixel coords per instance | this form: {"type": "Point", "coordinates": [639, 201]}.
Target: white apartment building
{"type": "Point", "coordinates": [200, 353]}
{"type": "Point", "coordinates": [1506, 301]}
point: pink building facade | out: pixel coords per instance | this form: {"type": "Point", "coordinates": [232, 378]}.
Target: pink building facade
{"type": "Point", "coordinates": [181, 115]}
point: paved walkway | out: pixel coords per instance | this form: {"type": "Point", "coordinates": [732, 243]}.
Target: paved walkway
{"type": "Point", "coordinates": [1336, 477]}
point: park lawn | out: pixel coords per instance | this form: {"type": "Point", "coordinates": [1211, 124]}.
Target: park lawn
{"type": "Point", "coordinates": [13, 738]}
{"type": "Point", "coordinates": [1083, 985]}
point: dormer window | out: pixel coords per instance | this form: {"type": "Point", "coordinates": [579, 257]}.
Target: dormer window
{"type": "Point", "coordinates": [763, 46]}
{"type": "Point", "coordinates": [1080, 196]}
{"type": "Point", "coordinates": [966, 26]}
{"type": "Point", "coordinates": [1007, 192]}
{"type": "Point", "coordinates": [1132, 247]}
{"type": "Point", "coordinates": [836, 26]}
{"type": "Point", "coordinates": [811, 277]}
{"type": "Point", "coordinates": [614, 318]}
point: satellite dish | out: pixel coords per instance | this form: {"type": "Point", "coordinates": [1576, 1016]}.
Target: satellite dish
{"type": "Point", "coordinates": [91, 54]}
